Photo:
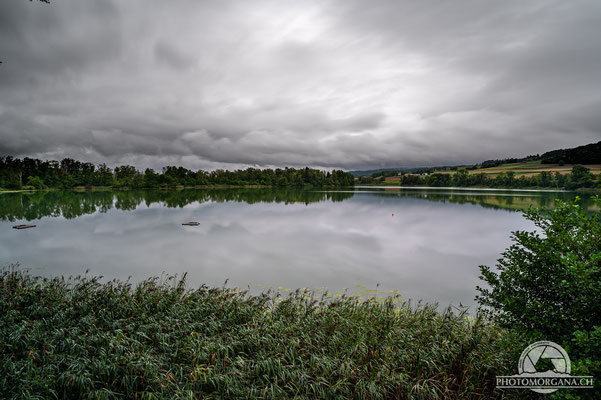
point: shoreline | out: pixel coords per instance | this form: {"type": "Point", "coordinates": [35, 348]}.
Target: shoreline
{"type": "Point", "coordinates": [364, 186]}
{"type": "Point", "coordinates": [466, 188]}
{"type": "Point", "coordinates": [108, 188]}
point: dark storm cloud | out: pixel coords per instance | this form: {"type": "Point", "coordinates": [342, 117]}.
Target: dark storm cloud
{"type": "Point", "coordinates": [322, 83]}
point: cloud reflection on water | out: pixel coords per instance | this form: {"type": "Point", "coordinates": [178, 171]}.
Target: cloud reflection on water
{"type": "Point", "coordinates": [428, 250]}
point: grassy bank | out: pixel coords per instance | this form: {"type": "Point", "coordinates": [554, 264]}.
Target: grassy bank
{"type": "Point", "coordinates": [79, 338]}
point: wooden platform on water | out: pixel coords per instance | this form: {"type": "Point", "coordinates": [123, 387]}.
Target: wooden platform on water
{"type": "Point", "coordinates": [23, 226]}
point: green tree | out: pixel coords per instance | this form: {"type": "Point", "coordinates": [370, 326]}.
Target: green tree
{"type": "Point", "coordinates": [36, 182]}
{"type": "Point", "coordinates": [103, 176]}
{"type": "Point", "coordinates": [151, 178]}
{"type": "Point", "coordinates": [510, 179]}
{"type": "Point", "coordinates": [125, 175]}
{"type": "Point", "coordinates": [580, 171]}
{"type": "Point", "coordinates": [461, 177]}
{"type": "Point", "coordinates": [548, 283]}
{"type": "Point", "coordinates": [365, 179]}
{"type": "Point", "coordinates": [581, 177]}
{"type": "Point", "coordinates": [560, 180]}
{"type": "Point", "coordinates": [11, 180]}
{"type": "Point", "coordinates": [545, 179]}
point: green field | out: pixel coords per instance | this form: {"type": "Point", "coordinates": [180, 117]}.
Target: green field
{"type": "Point", "coordinates": [531, 167]}
{"type": "Point", "coordinates": [528, 168]}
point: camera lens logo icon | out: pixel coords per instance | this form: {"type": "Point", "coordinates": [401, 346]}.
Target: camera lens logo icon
{"type": "Point", "coordinates": [546, 360]}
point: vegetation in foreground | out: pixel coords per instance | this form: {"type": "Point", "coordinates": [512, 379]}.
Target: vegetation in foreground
{"type": "Point", "coordinates": [80, 338]}
{"type": "Point", "coordinates": [547, 285]}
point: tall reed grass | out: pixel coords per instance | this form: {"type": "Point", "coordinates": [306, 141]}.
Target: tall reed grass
{"type": "Point", "coordinates": [81, 338]}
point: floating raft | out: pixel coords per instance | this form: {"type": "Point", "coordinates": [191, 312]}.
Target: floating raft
{"type": "Point", "coordinates": [191, 223]}
{"type": "Point", "coordinates": [23, 226]}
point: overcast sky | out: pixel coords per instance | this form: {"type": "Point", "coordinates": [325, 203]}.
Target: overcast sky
{"type": "Point", "coordinates": [346, 84]}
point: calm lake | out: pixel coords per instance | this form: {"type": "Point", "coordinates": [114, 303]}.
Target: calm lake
{"type": "Point", "coordinates": [429, 249]}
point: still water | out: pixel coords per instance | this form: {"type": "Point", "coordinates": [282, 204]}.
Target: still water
{"type": "Point", "coordinates": [430, 249]}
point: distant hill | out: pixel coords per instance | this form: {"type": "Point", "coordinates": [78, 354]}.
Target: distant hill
{"type": "Point", "coordinates": [371, 171]}
{"type": "Point", "coordinates": [587, 154]}
{"type": "Point", "coordinates": [396, 170]}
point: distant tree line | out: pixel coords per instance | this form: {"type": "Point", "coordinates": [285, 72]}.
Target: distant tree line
{"type": "Point", "coordinates": [581, 177]}
{"type": "Point", "coordinates": [32, 173]}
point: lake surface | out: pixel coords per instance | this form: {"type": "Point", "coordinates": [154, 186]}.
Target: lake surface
{"type": "Point", "coordinates": [430, 249]}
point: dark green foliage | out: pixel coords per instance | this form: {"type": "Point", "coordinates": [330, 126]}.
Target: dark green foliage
{"type": "Point", "coordinates": [587, 154]}
{"type": "Point", "coordinates": [579, 178]}
{"type": "Point", "coordinates": [71, 173]}
{"type": "Point", "coordinates": [80, 338]}
{"type": "Point", "coordinates": [548, 283]}
{"type": "Point", "coordinates": [35, 182]}
{"type": "Point", "coordinates": [365, 179]}
{"type": "Point", "coordinates": [10, 180]}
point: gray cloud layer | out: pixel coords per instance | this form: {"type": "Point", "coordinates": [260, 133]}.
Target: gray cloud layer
{"type": "Point", "coordinates": [323, 83]}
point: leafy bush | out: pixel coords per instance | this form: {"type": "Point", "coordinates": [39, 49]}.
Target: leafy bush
{"type": "Point", "coordinates": [548, 283]}
{"type": "Point", "coordinates": [35, 182]}
{"type": "Point", "coordinates": [80, 338]}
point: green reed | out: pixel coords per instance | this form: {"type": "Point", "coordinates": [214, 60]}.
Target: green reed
{"type": "Point", "coordinates": [81, 338]}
